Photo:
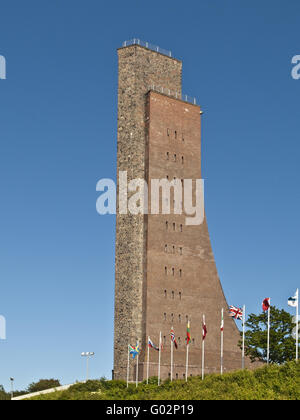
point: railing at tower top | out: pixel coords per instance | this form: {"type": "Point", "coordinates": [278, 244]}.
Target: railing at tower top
{"type": "Point", "coordinates": [152, 47]}
{"type": "Point", "coordinates": [173, 94]}
{"type": "Point", "coordinates": [160, 89]}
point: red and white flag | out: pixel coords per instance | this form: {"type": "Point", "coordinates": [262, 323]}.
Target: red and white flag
{"type": "Point", "coordinates": [204, 329]}
{"type": "Point", "coordinates": [266, 304]}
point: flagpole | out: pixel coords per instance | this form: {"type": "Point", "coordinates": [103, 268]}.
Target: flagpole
{"type": "Point", "coordinates": [243, 351]}
{"type": "Point", "coordinates": [128, 366]}
{"type": "Point", "coordinates": [203, 348]}
{"type": "Point", "coordinates": [222, 340]}
{"type": "Point", "coordinates": [297, 321]}
{"type": "Point", "coordinates": [137, 367]}
{"type": "Point", "coordinates": [187, 362]}
{"type": "Point", "coordinates": [148, 356]}
{"type": "Point", "coordinates": [188, 339]}
{"type": "Point", "coordinates": [268, 339]}
{"type": "Point", "coordinates": [203, 352]}
{"type": "Point", "coordinates": [171, 359]}
{"type": "Point", "coordinates": [159, 358]}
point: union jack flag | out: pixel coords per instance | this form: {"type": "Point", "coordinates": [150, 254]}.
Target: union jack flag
{"type": "Point", "coordinates": [173, 339]}
{"type": "Point", "coordinates": [236, 313]}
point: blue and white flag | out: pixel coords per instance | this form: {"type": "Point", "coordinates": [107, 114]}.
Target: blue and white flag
{"type": "Point", "coordinates": [293, 301]}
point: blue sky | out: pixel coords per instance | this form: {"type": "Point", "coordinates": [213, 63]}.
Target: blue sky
{"type": "Point", "coordinates": [58, 138]}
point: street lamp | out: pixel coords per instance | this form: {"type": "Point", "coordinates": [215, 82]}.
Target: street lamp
{"type": "Point", "coordinates": [11, 388]}
{"type": "Point", "coordinates": [87, 355]}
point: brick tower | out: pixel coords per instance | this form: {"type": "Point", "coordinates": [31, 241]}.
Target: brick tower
{"type": "Point", "coordinates": [165, 270]}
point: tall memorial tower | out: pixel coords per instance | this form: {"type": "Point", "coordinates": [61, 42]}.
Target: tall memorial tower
{"type": "Point", "coordinates": [165, 270]}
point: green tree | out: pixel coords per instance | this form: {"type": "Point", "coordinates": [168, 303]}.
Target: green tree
{"type": "Point", "coordinates": [282, 343]}
{"type": "Point", "coordinates": [43, 384]}
{"type": "Point", "coordinates": [3, 395]}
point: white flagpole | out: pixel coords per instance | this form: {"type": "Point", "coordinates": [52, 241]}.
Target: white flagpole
{"type": "Point", "coordinates": [268, 339]}
{"type": "Point", "coordinates": [187, 355]}
{"type": "Point", "coordinates": [243, 351]}
{"type": "Point", "coordinates": [297, 322]}
{"type": "Point", "coordinates": [148, 356]}
{"type": "Point", "coordinates": [171, 360]}
{"type": "Point", "coordinates": [137, 368]}
{"type": "Point", "coordinates": [187, 362]}
{"type": "Point", "coordinates": [159, 354]}
{"type": "Point", "coordinates": [222, 340]}
{"type": "Point", "coordinates": [203, 349]}
{"type": "Point", "coordinates": [128, 366]}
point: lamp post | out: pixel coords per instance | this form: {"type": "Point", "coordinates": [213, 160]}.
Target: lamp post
{"type": "Point", "coordinates": [11, 388]}
{"type": "Point", "coordinates": [87, 355]}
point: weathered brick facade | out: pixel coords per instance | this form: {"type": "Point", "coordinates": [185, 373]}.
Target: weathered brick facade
{"type": "Point", "coordinates": [165, 270]}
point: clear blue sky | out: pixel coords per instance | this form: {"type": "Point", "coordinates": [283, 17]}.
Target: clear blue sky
{"type": "Point", "coordinates": [58, 138]}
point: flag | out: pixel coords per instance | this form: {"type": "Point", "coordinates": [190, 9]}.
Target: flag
{"type": "Point", "coordinates": [204, 329]}
{"type": "Point", "coordinates": [137, 348]}
{"type": "Point", "coordinates": [236, 313]}
{"type": "Point", "coordinates": [222, 321]}
{"type": "Point", "coordinates": [188, 334]}
{"type": "Point", "coordinates": [134, 351]}
{"type": "Point", "coordinates": [152, 345]}
{"type": "Point", "coordinates": [293, 301]}
{"type": "Point", "coordinates": [266, 304]}
{"type": "Point", "coordinates": [173, 339]}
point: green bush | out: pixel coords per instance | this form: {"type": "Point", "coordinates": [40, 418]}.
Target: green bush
{"type": "Point", "coordinates": [267, 383]}
{"type": "Point", "coordinates": [43, 384]}
{"type": "Point", "coordinates": [89, 386]}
